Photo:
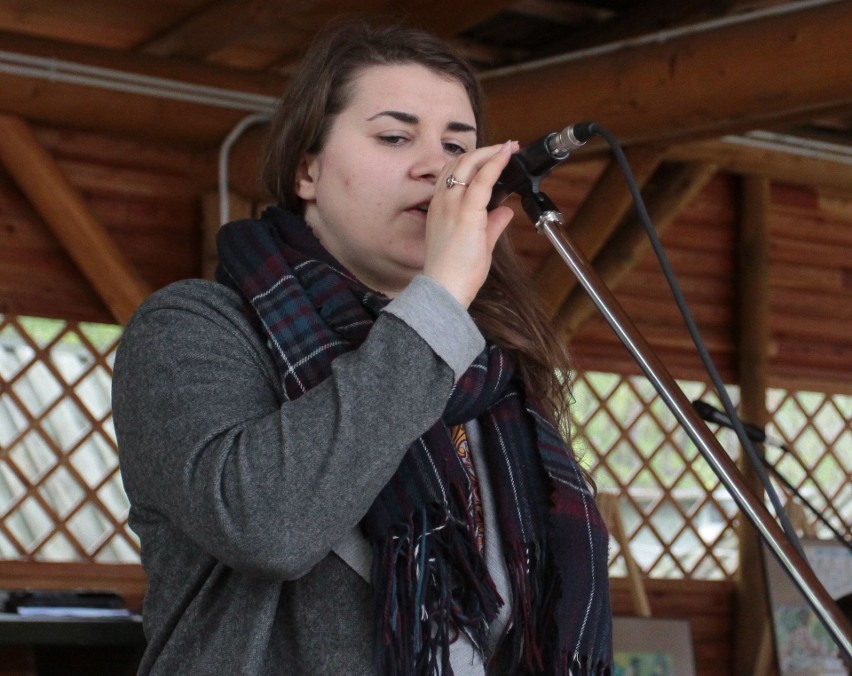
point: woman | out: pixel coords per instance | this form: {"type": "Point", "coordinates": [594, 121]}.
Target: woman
{"type": "Point", "coordinates": [333, 466]}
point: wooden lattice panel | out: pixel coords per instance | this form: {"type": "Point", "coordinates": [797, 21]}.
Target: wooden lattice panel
{"type": "Point", "coordinates": [813, 452]}
{"type": "Point", "coordinates": [678, 516]}
{"type": "Point", "coordinates": [61, 497]}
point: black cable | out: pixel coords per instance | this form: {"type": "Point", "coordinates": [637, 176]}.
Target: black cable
{"type": "Point", "coordinates": [819, 515]}
{"type": "Point", "coordinates": [704, 354]}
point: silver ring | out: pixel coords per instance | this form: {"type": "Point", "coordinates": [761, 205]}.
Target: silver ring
{"type": "Point", "coordinates": [452, 180]}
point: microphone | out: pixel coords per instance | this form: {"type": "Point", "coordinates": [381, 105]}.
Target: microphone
{"type": "Point", "coordinates": [714, 415]}
{"type": "Point", "coordinates": [533, 162]}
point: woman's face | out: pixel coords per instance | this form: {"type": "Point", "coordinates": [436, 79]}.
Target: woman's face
{"type": "Point", "coordinates": [367, 191]}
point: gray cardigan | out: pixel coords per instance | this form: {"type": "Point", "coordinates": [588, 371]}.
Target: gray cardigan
{"type": "Point", "coordinates": [240, 501]}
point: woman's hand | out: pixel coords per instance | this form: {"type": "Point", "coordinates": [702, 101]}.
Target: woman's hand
{"type": "Point", "coordinates": [460, 232]}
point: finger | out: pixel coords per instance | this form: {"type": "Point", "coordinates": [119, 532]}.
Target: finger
{"type": "Point", "coordinates": [498, 220]}
{"type": "Point", "coordinates": [488, 166]}
{"type": "Point", "coordinates": [467, 166]}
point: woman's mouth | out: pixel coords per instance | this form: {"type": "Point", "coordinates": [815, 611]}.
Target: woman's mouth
{"type": "Point", "coordinates": [422, 208]}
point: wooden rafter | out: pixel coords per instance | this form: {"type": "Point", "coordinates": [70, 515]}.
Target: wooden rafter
{"type": "Point", "coordinates": [68, 216]}
{"type": "Point", "coordinates": [743, 158]}
{"type": "Point", "coordinates": [671, 189]}
{"type": "Point", "coordinates": [593, 223]}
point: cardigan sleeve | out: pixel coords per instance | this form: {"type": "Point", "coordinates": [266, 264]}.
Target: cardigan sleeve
{"type": "Point", "coordinates": [208, 449]}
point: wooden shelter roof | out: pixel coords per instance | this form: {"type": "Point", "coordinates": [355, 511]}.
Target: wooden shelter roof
{"type": "Point", "coordinates": [732, 113]}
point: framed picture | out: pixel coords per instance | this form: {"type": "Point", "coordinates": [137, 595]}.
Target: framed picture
{"type": "Point", "coordinates": [649, 646]}
{"type": "Point", "coordinates": [803, 646]}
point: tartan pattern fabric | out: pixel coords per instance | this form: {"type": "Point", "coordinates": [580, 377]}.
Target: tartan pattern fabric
{"type": "Point", "coordinates": [429, 576]}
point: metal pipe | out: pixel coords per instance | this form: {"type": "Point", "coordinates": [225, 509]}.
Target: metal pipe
{"type": "Point", "coordinates": [59, 70]}
{"type": "Point", "coordinates": [224, 154]}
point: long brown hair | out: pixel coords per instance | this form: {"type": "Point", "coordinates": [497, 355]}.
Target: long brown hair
{"type": "Point", "coordinates": [504, 309]}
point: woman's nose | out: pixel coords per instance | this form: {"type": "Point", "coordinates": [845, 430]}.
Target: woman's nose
{"type": "Point", "coordinates": [431, 159]}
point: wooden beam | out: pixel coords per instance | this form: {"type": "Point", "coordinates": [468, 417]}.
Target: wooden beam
{"type": "Point", "coordinates": [752, 607]}
{"type": "Point", "coordinates": [671, 189]}
{"type": "Point", "coordinates": [593, 222]}
{"type": "Point", "coordinates": [722, 80]}
{"type": "Point", "coordinates": [68, 216]}
{"type": "Point", "coordinates": [137, 115]}
{"type": "Point", "coordinates": [743, 157]}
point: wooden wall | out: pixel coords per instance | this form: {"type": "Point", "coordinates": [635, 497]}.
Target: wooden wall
{"type": "Point", "coordinates": [149, 199]}
{"type": "Point", "coordinates": [707, 605]}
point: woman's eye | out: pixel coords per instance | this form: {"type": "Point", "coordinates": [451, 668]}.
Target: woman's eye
{"type": "Point", "coordinates": [454, 148]}
{"type": "Point", "coordinates": [392, 139]}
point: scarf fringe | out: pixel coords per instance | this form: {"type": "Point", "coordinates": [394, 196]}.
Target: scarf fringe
{"type": "Point", "coordinates": [574, 665]}
{"type": "Point", "coordinates": [525, 643]}
{"type": "Point", "coordinates": [427, 603]}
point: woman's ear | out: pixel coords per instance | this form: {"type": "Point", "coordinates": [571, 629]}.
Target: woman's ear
{"type": "Point", "coordinates": [306, 175]}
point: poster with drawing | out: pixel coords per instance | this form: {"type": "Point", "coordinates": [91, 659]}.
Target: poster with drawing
{"type": "Point", "coordinates": [649, 646]}
{"type": "Point", "coordinates": [803, 646]}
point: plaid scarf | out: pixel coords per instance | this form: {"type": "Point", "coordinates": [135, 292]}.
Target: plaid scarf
{"type": "Point", "coordinates": [429, 578]}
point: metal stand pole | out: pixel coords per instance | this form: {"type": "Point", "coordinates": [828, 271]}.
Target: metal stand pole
{"type": "Point", "coordinates": [548, 220]}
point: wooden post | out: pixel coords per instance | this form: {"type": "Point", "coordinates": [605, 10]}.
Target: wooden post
{"type": "Point", "coordinates": [608, 505]}
{"type": "Point", "coordinates": [68, 216]}
{"type": "Point", "coordinates": [752, 628]}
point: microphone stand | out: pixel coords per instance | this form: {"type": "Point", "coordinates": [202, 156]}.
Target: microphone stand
{"type": "Point", "coordinates": [548, 220]}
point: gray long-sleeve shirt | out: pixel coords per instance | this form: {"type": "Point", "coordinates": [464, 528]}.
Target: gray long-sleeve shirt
{"type": "Point", "coordinates": [239, 499]}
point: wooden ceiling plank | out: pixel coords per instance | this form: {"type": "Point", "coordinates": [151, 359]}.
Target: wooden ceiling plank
{"type": "Point", "coordinates": [216, 25]}
{"type": "Point", "coordinates": [448, 17]}
{"type": "Point", "coordinates": [65, 212]}
{"type": "Point", "coordinates": [694, 86]}
{"type": "Point", "coordinates": [117, 24]}
{"type": "Point", "coordinates": [562, 12]}
{"type": "Point", "coordinates": [628, 245]}
{"type": "Point", "coordinates": [593, 223]}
